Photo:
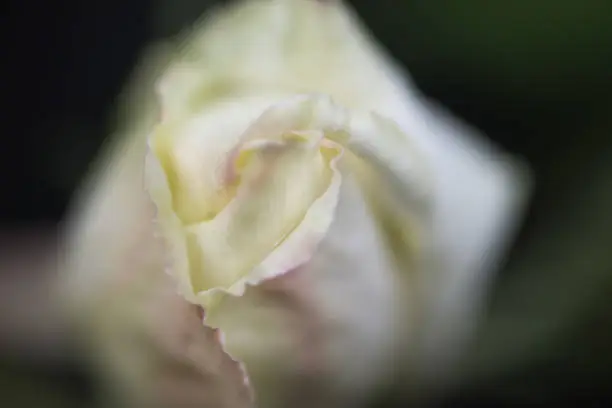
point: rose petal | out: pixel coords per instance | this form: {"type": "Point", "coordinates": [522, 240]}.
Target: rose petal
{"type": "Point", "coordinates": [283, 206]}
{"type": "Point", "coordinates": [272, 201]}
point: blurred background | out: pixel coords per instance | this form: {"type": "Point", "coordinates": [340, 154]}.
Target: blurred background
{"type": "Point", "coordinates": [533, 75]}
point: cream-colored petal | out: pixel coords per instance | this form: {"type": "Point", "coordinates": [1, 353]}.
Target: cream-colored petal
{"type": "Point", "coordinates": [356, 292]}
{"type": "Point", "coordinates": [193, 152]}
{"type": "Point", "coordinates": [175, 90]}
{"type": "Point", "coordinates": [374, 138]}
{"type": "Point", "coordinates": [282, 207]}
{"type": "Point", "coordinates": [169, 225]}
{"type": "Point", "coordinates": [287, 188]}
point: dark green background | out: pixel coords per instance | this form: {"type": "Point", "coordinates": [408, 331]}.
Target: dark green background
{"type": "Point", "coordinates": [533, 74]}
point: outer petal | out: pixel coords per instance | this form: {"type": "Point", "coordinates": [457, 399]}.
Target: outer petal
{"type": "Point", "coordinates": [479, 196]}
{"type": "Point", "coordinates": [306, 47]}
{"type": "Point", "coordinates": [149, 344]}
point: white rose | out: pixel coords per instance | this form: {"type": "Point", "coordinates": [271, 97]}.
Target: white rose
{"type": "Point", "coordinates": [333, 243]}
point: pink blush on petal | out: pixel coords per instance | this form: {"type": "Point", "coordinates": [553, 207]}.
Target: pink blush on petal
{"type": "Point", "coordinates": [295, 290]}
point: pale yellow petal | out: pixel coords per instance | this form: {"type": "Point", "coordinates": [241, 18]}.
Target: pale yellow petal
{"type": "Point", "coordinates": [275, 199]}
{"type": "Point", "coordinates": [267, 220]}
